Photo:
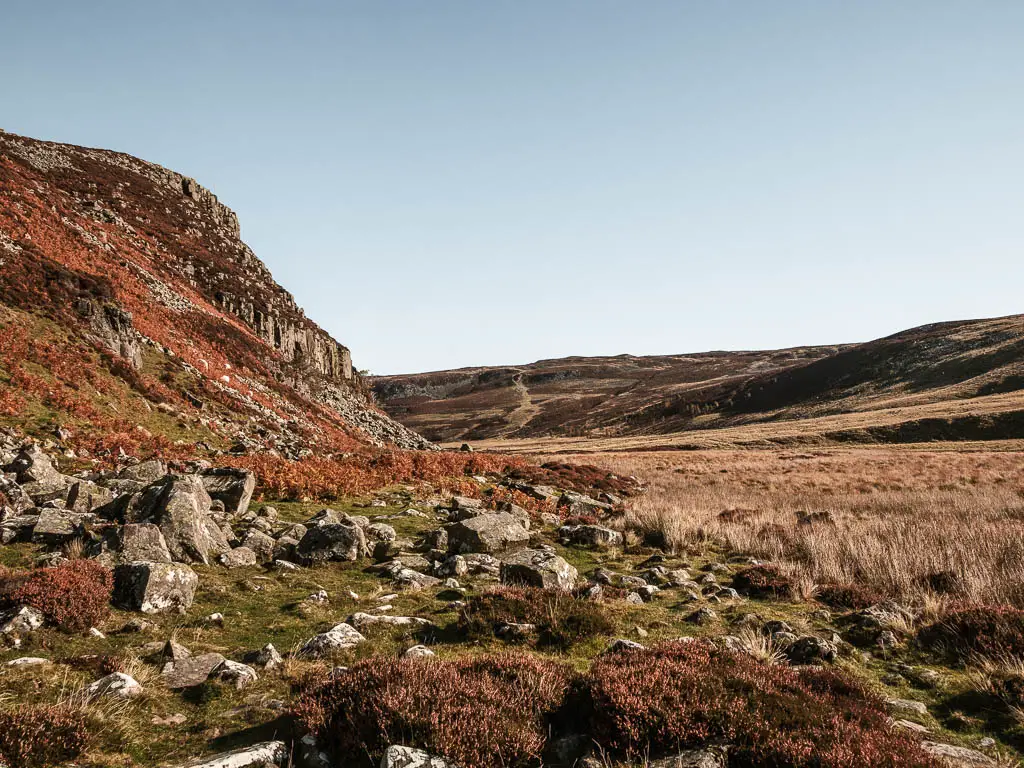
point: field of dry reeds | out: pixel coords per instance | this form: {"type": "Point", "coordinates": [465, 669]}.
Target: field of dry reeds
{"type": "Point", "coordinates": [910, 524]}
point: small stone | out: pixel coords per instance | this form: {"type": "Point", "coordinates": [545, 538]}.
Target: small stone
{"type": "Point", "coordinates": [703, 616]}
{"type": "Point", "coordinates": [241, 675]}
{"type": "Point", "coordinates": [418, 652]}
{"type": "Point", "coordinates": [27, 661]}
{"type": "Point", "coordinates": [116, 685]}
{"type": "Point", "coordinates": [906, 706]}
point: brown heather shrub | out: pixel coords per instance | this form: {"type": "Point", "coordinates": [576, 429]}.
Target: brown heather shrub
{"type": "Point", "coordinates": [849, 597]}
{"type": "Point", "coordinates": [763, 581]}
{"type": "Point", "coordinates": [74, 595]}
{"type": "Point", "coordinates": [984, 630]}
{"type": "Point", "coordinates": [684, 695]}
{"type": "Point", "coordinates": [42, 736]}
{"type": "Point", "coordinates": [561, 619]}
{"type": "Point", "coordinates": [478, 712]}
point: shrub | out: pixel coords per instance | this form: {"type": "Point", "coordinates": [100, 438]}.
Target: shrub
{"type": "Point", "coordinates": [991, 631]}
{"type": "Point", "coordinates": [676, 696]}
{"type": "Point", "coordinates": [39, 736]}
{"type": "Point", "coordinates": [763, 581]}
{"type": "Point", "coordinates": [560, 618]}
{"type": "Point", "coordinates": [74, 595]}
{"type": "Point", "coordinates": [851, 597]}
{"type": "Point", "coordinates": [477, 712]}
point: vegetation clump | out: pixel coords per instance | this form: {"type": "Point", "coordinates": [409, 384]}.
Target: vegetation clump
{"type": "Point", "coordinates": [40, 736]}
{"type": "Point", "coordinates": [763, 581]}
{"type": "Point", "coordinates": [676, 696]}
{"type": "Point", "coordinates": [560, 620]}
{"type": "Point", "coordinates": [477, 712]}
{"type": "Point", "coordinates": [73, 596]}
{"type": "Point", "coordinates": [850, 597]}
{"type": "Point", "coordinates": [980, 630]}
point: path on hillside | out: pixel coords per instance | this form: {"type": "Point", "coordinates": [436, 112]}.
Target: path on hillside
{"type": "Point", "coordinates": [524, 412]}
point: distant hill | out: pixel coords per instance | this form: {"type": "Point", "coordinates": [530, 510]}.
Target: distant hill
{"type": "Point", "coordinates": [978, 365]}
{"type": "Point", "coordinates": [132, 312]}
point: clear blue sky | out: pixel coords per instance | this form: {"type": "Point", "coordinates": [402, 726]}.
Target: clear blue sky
{"type": "Point", "coordinates": [444, 184]}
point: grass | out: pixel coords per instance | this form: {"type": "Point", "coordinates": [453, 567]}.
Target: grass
{"type": "Point", "coordinates": [262, 606]}
{"type": "Point", "coordinates": [897, 519]}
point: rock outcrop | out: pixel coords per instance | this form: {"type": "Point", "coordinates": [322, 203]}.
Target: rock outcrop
{"type": "Point", "coordinates": [147, 267]}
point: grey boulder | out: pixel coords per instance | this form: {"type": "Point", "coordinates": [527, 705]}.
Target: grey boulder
{"type": "Point", "coordinates": [154, 587]}
{"type": "Point", "coordinates": [489, 533]}
{"type": "Point", "coordinates": [538, 568]}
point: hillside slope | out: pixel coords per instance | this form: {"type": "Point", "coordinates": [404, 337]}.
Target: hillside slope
{"type": "Point", "coordinates": [955, 380]}
{"type": "Point", "coordinates": [132, 312]}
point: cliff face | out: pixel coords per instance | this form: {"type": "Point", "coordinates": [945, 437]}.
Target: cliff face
{"type": "Point", "coordinates": [142, 262]}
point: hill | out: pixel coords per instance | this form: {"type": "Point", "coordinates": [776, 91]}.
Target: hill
{"type": "Point", "coordinates": [133, 315]}
{"type": "Point", "coordinates": [945, 381]}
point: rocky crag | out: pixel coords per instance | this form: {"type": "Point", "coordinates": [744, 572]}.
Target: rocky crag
{"type": "Point", "coordinates": [139, 272]}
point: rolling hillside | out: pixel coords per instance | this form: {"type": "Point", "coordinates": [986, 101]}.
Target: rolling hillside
{"type": "Point", "coordinates": [945, 381]}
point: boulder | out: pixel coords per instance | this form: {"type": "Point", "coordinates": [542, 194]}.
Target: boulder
{"type": "Point", "coordinates": [143, 542]}
{"type": "Point", "coordinates": [956, 756]}
{"type": "Point", "coordinates": [116, 685]}
{"type": "Point", "coordinates": [407, 577]}
{"type": "Point", "coordinates": [144, 473]}
{"type": "Point", "coordinates": [266, 657]}
{"type": "Point", "coordinates": [538, 568]}
{"type": "Point", "coordinates": [180, 506]}
{"type": "Point", "coordinates": [488, 533]}
{"type": "Point", "coordinates": [592, 536]}
{"type": "Point", "coordinates": [56, 526]}
{"type": "Point", "coordinates": [191, 671]}
{"type": "Point", "coordinates": [17, 500]}
{"type": "Point", "coordinates": [572, 504]}
{"type": "Point", "coordinates": [85, 496]}
{"type": "Point", "coordinates": [38, 478]}
{"type": "Point", "coordinates": [154, 587]}
{"type": "Point", "coordinates": [343, 541]}
{"type": "Point", "coordinates": [338, 638]}
{"type": "Point", "coordinates": [407, 757]}
{"type": "Point", "coordinates": [240, 675]}
{"type": "Point", "coordinates": [231, 486]}
{"type": "Point", "coordinates": [21, 621]}
{"type": "Point", "coordinates": [261, 545]}
{"type": "Point", "coordinates": [239, 557]}
{"type": "Point", "coordinates": [262, 755]}
{"type": "Point", "coordinates": [14, 527]}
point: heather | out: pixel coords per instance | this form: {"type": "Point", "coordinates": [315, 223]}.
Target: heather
{"type": "Point", "coordinates": [478, 712]}
{"type": "Point", "coordinates": [42, 736]}
{"type": "Point", "coordinates": [684, 695]}
{"type": "Point", "coordinates": [990, 631]}
{"type": "Point", "coordinates": [74, 595]}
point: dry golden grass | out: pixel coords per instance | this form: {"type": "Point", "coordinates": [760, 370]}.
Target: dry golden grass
{"type": "Point", "coordinates": [893, 518]}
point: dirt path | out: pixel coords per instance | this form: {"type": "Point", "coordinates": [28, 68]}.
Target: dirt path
{"type": "Point", "coordinates": [526, 410]}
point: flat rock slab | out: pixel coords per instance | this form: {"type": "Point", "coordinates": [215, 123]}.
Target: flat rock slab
{"type": "Point", "coordinates": [262, 755]}
{"type": "Point", "coordinates": [956, 756]}
{"type": "Point", "coordinates": [195, 670]}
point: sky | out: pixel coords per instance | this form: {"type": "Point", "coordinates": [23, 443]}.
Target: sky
{"type": "Point", "coordinates": [444, 184]}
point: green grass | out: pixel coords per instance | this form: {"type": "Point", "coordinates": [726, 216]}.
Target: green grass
{"type": "Point", "coordinates": [262, 606]}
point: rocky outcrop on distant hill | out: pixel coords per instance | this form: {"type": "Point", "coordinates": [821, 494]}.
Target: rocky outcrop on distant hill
{"type": "Point", "coordinates": [128, 258]}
